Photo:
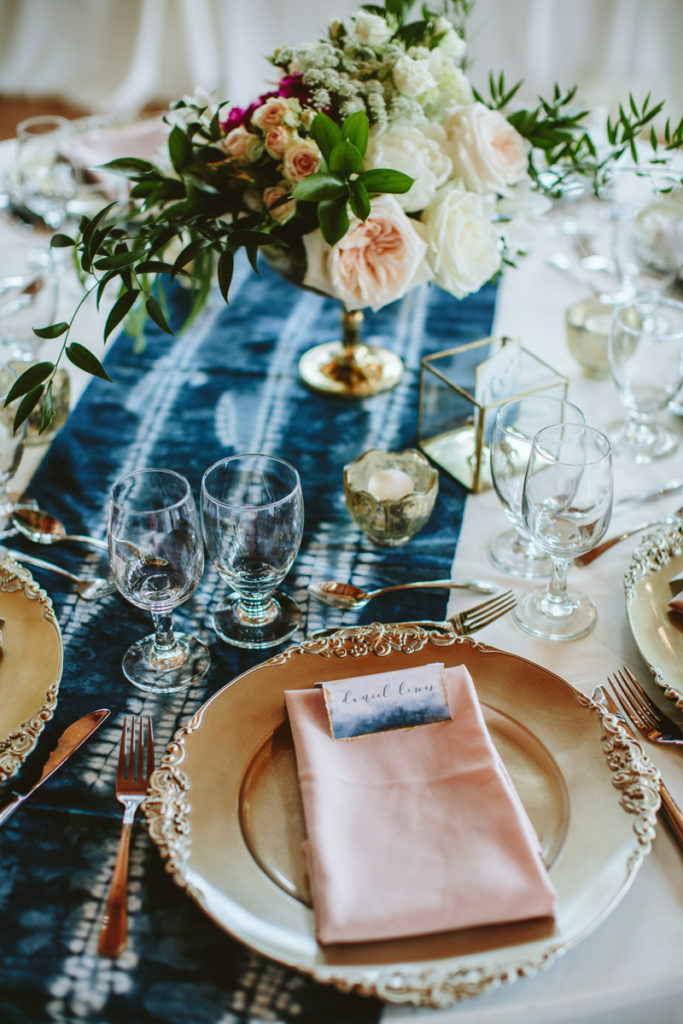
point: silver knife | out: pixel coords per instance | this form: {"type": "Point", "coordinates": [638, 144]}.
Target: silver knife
{"type": "Point", "coordinates": [669, 809]}
{"type": "Point", "coordinates": [68, 742]}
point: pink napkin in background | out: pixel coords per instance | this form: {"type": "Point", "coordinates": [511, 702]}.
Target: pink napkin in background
{"type": "Point", "coordinates": [676, 602]}
{"type": "Point", "coordinates": [87, 149]}
{"type": "Point", "coordinates": [413, 831]}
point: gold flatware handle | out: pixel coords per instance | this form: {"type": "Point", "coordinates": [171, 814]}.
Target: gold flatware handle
{"type": "Point", "coordinates": [600, 549]}
{"type": "Point", "coordinates": [114, 928]}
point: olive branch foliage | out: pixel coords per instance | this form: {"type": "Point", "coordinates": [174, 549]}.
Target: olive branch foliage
{"type": "Point", "coordinates": [188, 222]}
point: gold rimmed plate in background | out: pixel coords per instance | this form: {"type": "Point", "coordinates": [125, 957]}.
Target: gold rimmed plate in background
{"type": "Point", "coordinates": [224, 809]}
{"type": "Point", "coordinates": [656, 628]}
{"type": "Point", "coordinates": [30, 666]}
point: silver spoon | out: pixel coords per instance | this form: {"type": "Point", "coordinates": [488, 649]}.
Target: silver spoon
{"type": "Point", "coordinates": [90, 589]}
{"type": "Point", "coordinates": [346, 595]}
{"type": "Point", "coordinates": [44, 528]}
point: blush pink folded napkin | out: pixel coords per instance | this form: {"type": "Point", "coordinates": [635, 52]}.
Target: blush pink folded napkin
{"type": "Point", "coordinates": [413, 831]}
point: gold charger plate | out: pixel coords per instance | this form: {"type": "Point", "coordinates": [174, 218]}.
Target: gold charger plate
{"type": "Point", "coordinates": [224, 810]}
{"type": "Point", "coordinates": [30, 664]}
{"type": "Point", "coordinates": [657, 631]}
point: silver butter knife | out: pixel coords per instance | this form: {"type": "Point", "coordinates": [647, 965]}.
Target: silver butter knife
{"type": "Point", "coordinates": [70, 740]}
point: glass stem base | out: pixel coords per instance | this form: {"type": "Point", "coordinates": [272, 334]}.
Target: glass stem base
{"type": "Point", "coordinates": [541, 614]}
{"type": "Point", "coordinates": [165, 668]}
{"type": "Point", "coordinates": [234, 627]}
{"type": "Point", "coordinates": [517, 555]}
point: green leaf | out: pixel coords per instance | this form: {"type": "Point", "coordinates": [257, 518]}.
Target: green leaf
{"type": "Point", "coordinates": [91, 223]}
{"type": "Point", "coordinates": [27, 405]}
{"type": "Point", "coordinates": [345, 159]}
{"type": "Point", "coordinates": [60, 241]}
{"type": "Point", "coordinates": [51, 332]}
{"type": "Point", "coordinates": [84, 359]}
{"type": "Point", "coordinates": [355, 129]}
{"type": "Point", "coordinates": [179, 148]}
{"type": "Point", "coordinates": [47, 412]}
{"type": "Point", "coordinates": [226, 263]}
{"type": "Point", "coordinates": [381, 179]}
{"type": "Point", "coordinates": [154, 311]}
{"type": "Point", "coordinates": [319, 186]}
{"type": "Point", "coordinates": [333, 219]}
{"type": "Point", "coordinates": [360, 200]}
{"type": "Point", "coordinates": [119, 311]}
{"type": "Point", "coordinates": [128, 166]}
{"type": "Point", "coordinates": [28, 380]}
{"type": "Point", "coordinates": [189, 253]}
{"type": "Point", "coordinates": [326, 133]}
{"type": "Point", "coordinates": [117, 261]}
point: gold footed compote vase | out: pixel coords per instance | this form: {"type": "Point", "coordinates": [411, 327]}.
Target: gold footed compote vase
{"type": "Point", "coordinates": [347, 367]}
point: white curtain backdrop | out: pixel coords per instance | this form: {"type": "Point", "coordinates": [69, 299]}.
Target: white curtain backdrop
{"type": "Point", "coordinates": [117, 55]}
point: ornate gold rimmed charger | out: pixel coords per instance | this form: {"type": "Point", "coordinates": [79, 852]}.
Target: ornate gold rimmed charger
{"type": "Point", "coordinates": [30, 664]}
{"type": "Point", "coordinates": [224, 809]}
{"type": "Point", "coordinates": [656, 629]}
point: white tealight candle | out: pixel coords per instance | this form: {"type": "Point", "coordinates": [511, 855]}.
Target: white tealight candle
{"type": "Point", "coordinates": [390, 484]}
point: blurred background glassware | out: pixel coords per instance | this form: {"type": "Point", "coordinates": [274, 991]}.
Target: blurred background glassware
{"type": "Point", "coordinates": [156, 557]}
{"type": "Point", "coordinates": [44, 180]}
{"type": "Point", "coordinates": [567, 505]}
{"type": "Point", "coordinates": [587, 326]}
{"type": "Point", "coordinates": [28, 296]}
{"type": "Point", "coordinates": [252, 515]}
{"type": "Point", "coordinates": [645, 353]}
{"type": "Point", "coordinates": [514, 427]}
{"type": "Point", "coordinates": [11, 444]}
{"type": "Point", "coordinates": [390, 495]}
{"type": "Point", "coordinates": [647, 245]}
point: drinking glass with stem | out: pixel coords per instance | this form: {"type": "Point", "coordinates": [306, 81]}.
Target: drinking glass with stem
{"type": "Point", "coordinates": [567, 505]}
{"type": "Point", "coordinates": [156, 556]}
{"type": "Point", "coordinates": [515, 425]}
{"type": "Point", "coordinates": [252, 517]}
{"type": "Point", "coordinates": [645, 357]}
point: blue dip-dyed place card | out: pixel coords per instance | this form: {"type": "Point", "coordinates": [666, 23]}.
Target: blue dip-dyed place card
{"type": "Point", "coordinates": [398, 699]}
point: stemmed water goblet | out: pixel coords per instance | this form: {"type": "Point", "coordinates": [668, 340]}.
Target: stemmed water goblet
{"type": "Point", "coordinates": [515, 425]}
{"type": "Point", "coordinates": [252, 518]}
{"type": "Point", "coordinates": [157, 559]}
{"type": "Point", "coordinates": [566, 504]}
{"type": "Point", "coordinates": [45, 180]}
{"type": "Point", "coordinates": [645, 356]}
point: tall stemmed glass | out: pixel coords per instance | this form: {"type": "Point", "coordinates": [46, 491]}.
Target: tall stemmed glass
{"type": "Point", "coordinates": [514, 427]}
{"type": "Point", "coordinates": [567, 504]}
{"type": "Point", "coordinates": [252, 517]}
{"type": "Point", "coordinates": [645, 355]}
{"type": "Point", "coordinates": [157, 559]}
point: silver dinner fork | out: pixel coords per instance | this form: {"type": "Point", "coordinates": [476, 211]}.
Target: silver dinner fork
{"type": "Point", "coordinates": [472, 619]}
{"type": "Point", "coordinates": [640, 707]}
{"type": "Point", "coordinates": [135, 766]}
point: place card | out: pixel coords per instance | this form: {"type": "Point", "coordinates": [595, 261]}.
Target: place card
{"type": "Point", "coordinates": [398, 699]}
{"type": "Point", "coordinates": [497, 379]}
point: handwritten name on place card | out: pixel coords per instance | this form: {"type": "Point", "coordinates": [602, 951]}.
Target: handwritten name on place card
{"type": "Point", "coordinates": [398, 699]}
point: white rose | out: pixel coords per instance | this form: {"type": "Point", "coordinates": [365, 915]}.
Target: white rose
{"type": "Point", "coordinates": [377, 261]}
{"type": "Point", "coordinates": [417, 151]}
{"type": "Point", "coordinates": [412, 77]}
{"type": "Point", "coordinates": [487, 152]}
{"type": "Point", "coordinates": [453, 45]}
{"type": "Point", "coordinates": [464, 251]}
{"type": "Point", "coordinates": [370, 29]}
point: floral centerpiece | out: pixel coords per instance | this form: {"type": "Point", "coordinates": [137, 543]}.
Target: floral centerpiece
{"type": "Point", "coordinates": [374, 162]}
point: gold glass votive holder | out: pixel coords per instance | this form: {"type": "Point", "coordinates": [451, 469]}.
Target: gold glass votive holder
{"type": "Point", "coordinates": [390, 495]}
{"type": "Point", "coordinates": [455, 422]}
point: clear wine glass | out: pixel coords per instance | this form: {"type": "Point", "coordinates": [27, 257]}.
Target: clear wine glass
{"type": "Point", "coordinates": [45, 179]}
{"type": "Point", "coordinates": [157, 559]}
{"type": "Point", "coordinates": [515, 425]}
{"type": "Point", "coordinates": [567, 504]}
{"type": "Point", "coordinates": [11, 443]}
{"type": "Point", "coordinates": [645, 356]}
{"type": "Point", "coordinates": [648, 229]}
{"type": "Point", "coordinates": [252, 517]}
